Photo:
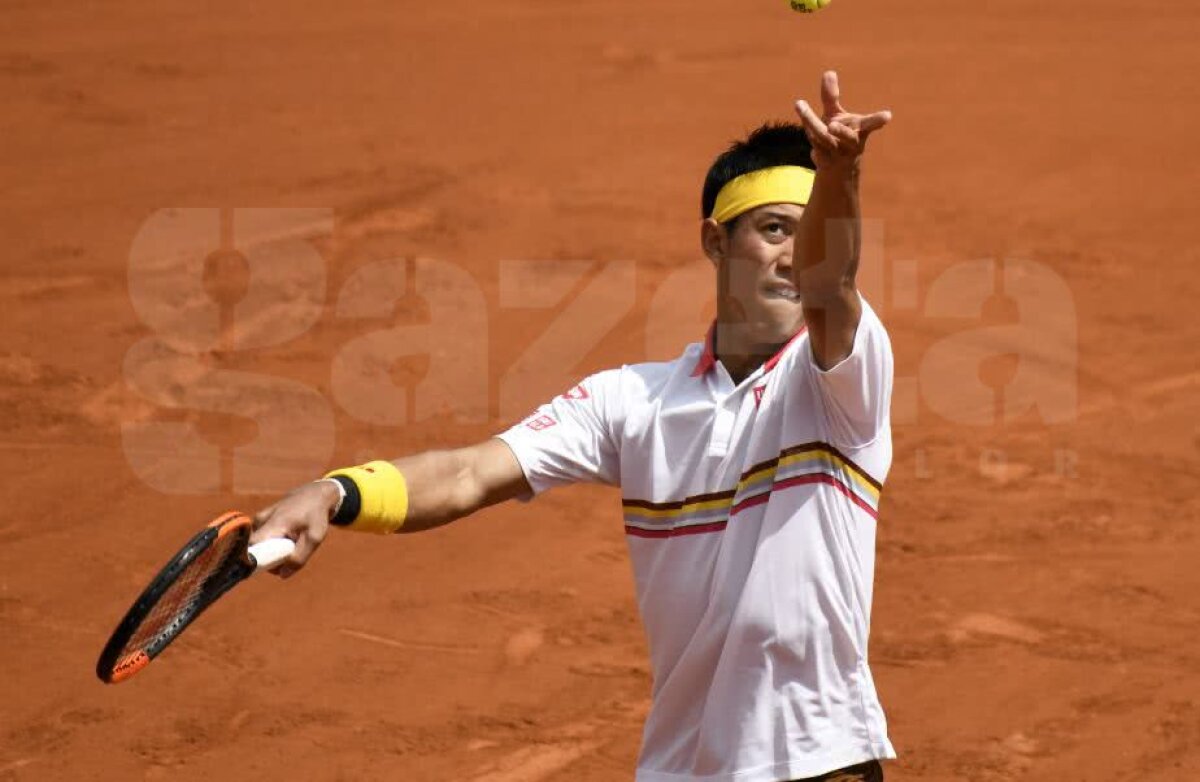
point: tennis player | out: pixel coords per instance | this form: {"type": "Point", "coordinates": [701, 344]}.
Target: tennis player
{"type": "Point", "coordinates": [750, 468]}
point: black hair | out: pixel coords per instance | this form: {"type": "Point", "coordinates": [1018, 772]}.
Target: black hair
{"type": "Point", "coordinates": [772, 144]}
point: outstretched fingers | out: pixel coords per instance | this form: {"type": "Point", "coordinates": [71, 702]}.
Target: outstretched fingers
{"type": "Point", "coordinates": [847, 136]}
{"type": "Point", "coordinates": [818, 132]}
{"type": "Point", "coordinates": [874, 121]}
{"type": "Point", "coordinates": [831, 94]}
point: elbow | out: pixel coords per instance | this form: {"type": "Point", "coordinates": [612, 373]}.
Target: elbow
{"type": "Point", "coordinates": [818, 293]}
{"type": "Point", "coordinates": [826, 281]}
{"type": "Point", "coordinates": [466, 493]}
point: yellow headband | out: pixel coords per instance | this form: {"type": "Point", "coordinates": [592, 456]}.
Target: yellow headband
{"type": "Point", "coordinates": [778, 185]}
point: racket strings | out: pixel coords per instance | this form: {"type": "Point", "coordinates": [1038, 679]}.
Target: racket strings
{"type": "Point", "coordinates": [177, 604]}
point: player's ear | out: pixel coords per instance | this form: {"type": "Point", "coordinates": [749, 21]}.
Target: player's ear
{"type": "Point", "coordinates": [713, 239]}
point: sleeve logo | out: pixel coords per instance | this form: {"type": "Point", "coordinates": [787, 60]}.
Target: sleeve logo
{"type": "Point", "coordinates": [538, 423]}
{"type": "Point", "coordinates": [578, 392]}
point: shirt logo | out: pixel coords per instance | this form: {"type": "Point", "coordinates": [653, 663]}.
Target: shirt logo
{"type": "Point", "coordinates": [578, 392]}
{"type": "Point", "coordinates": [540, 422]}
{"type": "Point", "coordinates": [758, 394]}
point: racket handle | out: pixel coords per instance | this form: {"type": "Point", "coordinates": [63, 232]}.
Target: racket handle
{"type": "Point", "coordinates": [269, 553]}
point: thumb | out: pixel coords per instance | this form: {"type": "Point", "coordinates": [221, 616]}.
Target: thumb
{"type": "Point", "coordinates": [873, 122]}
{"type": "Point", "coordinates": [260, 520]}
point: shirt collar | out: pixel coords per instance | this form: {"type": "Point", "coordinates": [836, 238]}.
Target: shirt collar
{"type": "Point", "coordinates": [708, 357]}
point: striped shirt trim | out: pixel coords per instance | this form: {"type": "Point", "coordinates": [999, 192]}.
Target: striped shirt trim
{"type": "Point", "coordinates": [801, 465]}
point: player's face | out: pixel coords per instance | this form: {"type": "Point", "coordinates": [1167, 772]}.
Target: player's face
{"type": "Point", "coordinates": [755, 275]}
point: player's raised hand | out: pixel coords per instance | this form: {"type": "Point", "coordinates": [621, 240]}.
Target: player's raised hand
{"type": "Point", "coordinates": [302, 516]}
{"type": "Point", "coordinates": [838, 136]}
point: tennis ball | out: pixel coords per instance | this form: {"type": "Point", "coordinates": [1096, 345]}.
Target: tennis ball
{"type": "Point", "coordinates": [808, 6]}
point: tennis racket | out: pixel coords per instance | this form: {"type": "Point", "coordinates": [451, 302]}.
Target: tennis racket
{"type": "Point", "coordinates": [217, 559]}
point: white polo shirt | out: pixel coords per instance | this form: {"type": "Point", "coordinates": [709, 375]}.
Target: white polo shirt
{"type": "Point", "coordinates": [750, 514]}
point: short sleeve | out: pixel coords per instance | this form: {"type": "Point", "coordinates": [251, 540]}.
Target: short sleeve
{"type": "Point", "coordinates": [570, 439]}
{"type": "Point", "coordinates": [857, 391]}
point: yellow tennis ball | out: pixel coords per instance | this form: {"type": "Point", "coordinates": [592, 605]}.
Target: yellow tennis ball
{"type": "Point", "coordinates": [808, 6]}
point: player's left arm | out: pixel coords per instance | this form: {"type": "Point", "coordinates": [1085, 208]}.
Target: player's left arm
{"type": "Point", "coordinates": [826, 254]}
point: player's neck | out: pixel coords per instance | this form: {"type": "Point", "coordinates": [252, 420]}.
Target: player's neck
{"type": "Point", "coordinates": [738, 352]}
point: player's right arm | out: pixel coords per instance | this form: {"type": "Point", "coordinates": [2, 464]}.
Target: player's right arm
{"type": "Point", "coordinates": [442, 486]}
{"type": "Point", "coordinates": [829, 241]}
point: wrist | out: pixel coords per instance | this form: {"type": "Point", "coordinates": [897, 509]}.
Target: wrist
{"type": "Point", "coordinates": [332, 494]}
{"type": "Point", "coordinates": [375, 497]}
{"type": "Point", "coordinates": [843, 170]}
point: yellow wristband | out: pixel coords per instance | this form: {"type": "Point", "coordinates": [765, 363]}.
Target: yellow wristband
{"type": "Point", "coordinates": [376, 498]}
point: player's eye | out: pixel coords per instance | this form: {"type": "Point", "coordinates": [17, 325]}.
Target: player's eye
{"type": "Point", "coordinates": [775, 228]}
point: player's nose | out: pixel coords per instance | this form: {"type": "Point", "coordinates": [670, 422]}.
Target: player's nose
{"type": "Point", "coordinates": [783, 261]}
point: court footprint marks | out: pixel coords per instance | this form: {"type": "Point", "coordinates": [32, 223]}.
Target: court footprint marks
{"type": "Point", "coordinates": [988, 632]}
{"type": "Point", "coordinates": [403, 643]}
{"type": "Point", "coordinates": [522, 645]}
{"type": "Point", "coordinates": [40, 398]}
{"type": "Point", "coordinates": [24, 749]}
{"type": "Point", "coordinates": [1056, 640]}
{"type": "Point", "coordinates": [551, 751]}
{"type": "Point", "coordinates": [992, 626]}
{"type": "Point", "coordinates": [530, 764]}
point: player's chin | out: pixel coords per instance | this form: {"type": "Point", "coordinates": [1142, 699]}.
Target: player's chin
{"type": "Point", "coordinates": [780, 319]}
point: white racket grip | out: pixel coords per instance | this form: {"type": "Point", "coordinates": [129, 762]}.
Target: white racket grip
{"type": "Point", "coordinates": [269, 553]}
